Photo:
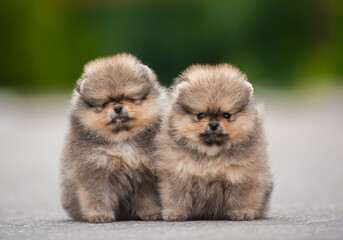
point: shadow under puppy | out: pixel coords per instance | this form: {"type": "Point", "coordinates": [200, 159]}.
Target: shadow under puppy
{"type": "Point", "coordinates": [107, 169]}
{"type": "Point", "coordinates": [211, 156]}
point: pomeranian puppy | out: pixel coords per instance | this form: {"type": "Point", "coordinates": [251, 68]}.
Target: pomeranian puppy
{"type": "Point", "coordinates": [107, 168]}
{"type": "Point", "coordinates": [211, 154]}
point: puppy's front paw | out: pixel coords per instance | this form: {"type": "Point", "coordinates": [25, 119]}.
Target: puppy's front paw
{"type": "Point", "coordinates": [101, 218]}
{"type": "Point", "coordinates": [173, 214]}
{"type": "Point", "coordinates": [150, 212]}
{"type": "Point", "coordinates": [242, 215]}
{"type": "Point", "coordinates": [173, 217]}
{"type": "Point", "coordinates": [150, 217]}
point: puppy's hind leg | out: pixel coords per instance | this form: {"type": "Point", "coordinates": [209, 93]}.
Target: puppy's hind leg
{"type": "Point", "coordinates": [70, 201]}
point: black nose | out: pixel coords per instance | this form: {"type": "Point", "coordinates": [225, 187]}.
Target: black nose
{"type": "Point", "coordinates": [118, 109]}
{"type": "Point", "coordinates": [214, 126]}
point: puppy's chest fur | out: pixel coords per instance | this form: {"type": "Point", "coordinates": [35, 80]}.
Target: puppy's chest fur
{"type": "Point", "coordinates": [122, 157]}
{"type": "Point", "coordinates": [216, 169]}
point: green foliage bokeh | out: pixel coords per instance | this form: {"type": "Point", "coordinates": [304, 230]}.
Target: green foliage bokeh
{"type": "Point", "coordinates": [45, 43]}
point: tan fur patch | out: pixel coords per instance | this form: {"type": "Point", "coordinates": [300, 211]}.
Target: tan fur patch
{"type": "Point", "coordinates": [243, 125]}
{"type": "Point", "coordinates": [143, 114]}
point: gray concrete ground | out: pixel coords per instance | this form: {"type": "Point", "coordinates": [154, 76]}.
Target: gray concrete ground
{"type": "Point", "coordinates": [305, 132]}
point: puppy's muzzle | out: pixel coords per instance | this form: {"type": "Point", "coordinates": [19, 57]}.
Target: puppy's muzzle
{"type": "Point", "coordinates": [213, 131]}
{"type": "Point", "coordinates": [120, 115]}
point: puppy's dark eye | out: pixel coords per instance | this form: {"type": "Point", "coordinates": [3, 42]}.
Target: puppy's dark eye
{"type": "Point", "coordinates": [131, 99]}
{"type": "Point", "coordinates": [227, 116]}
{"type": "Point", "coordinates": [105, 104]}
{"type": "Point", "coordinates": [201, 116]}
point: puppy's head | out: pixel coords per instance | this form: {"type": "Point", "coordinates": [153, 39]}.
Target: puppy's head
{"type": "Point", "coordinates": [117, 97]}
{"type": "Point", "coordinates": [213, 108]}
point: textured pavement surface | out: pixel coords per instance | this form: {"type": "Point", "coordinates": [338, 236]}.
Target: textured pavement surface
{"type": "Point", "coordinates": [305, 133]}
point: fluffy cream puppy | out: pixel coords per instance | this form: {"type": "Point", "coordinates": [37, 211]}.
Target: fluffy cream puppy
{"type": "Point", "coordinates": [107, 168]}
{"type": "Point", "coordinates": [211, 151]}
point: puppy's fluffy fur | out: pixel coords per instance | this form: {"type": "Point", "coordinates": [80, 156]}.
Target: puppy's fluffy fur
{"type": "Point", "coordinates": [211, 156]}
{"type": "Point", "coordinates": [107, 169]}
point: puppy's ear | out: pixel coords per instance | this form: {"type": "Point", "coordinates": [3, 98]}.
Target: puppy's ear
{"type": "Point", "coordinates": [80, 82]}
{"type": "Point", "coordinates": [179, 79]}
{"type": "Point", "coordinates": [147, 73]}
{"type": "Point", "coordinates": [248, 86]}
{"type": "Point", "coordinates": [250, 89]}
{"type": "Point", "coordinates": [179, 83]}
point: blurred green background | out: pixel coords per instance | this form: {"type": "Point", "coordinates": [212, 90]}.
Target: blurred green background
{"type": "Point", "coordinates": [283, 44]}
